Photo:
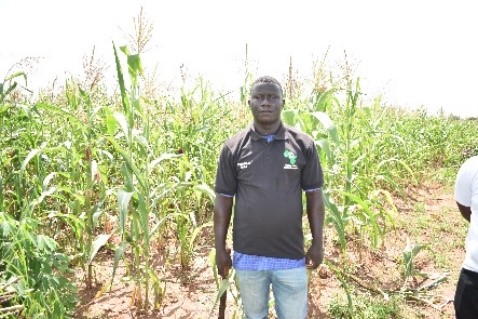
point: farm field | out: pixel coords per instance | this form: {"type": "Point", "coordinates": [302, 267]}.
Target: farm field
{"type": "Point", "coordinates": [106, 200]}
{"type": "Point", "coordinates": [191, 294]}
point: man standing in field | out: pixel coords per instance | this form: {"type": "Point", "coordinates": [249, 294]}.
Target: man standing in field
{"type": "Point", "coordinates": [466, 195]}
{"type": "Point", "coordinates": [265, 168]}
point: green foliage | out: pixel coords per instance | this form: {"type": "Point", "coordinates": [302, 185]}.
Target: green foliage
{"type": "Point", "coordinates": [408, 258]}
{"type": "Point", "coordinates": [366, 307]}
{"type": "Point", "coordinates": [223, 285]}
{"type": "Point", "coordinates": [9, 84]}
{"type": "Point", "coordinates": [40, 271]}
{"type": "Point", "coordinates": [135, 197]}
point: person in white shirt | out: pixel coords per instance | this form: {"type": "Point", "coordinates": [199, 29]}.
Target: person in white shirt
{"type": "Point", "coordinates": [466, 196]}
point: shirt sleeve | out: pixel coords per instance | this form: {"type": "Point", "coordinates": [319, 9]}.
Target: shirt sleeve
{"type": "Point", "coordinates": [226, 181]}
{"type": "Point", "coordinates": [463, 183]}
{"type": "Point", "coordinates": [312, 175]}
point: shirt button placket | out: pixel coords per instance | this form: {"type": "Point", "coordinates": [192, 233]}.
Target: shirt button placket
{"type": "Point", "coordinates": [268, 151]}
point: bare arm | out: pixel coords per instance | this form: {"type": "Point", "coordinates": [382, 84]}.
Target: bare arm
{"type": "Point", "coordinates": [222, 219]}
{"type": "Point", "coordinates": [315, 214]}
{"type": "Point", "coordinates": [465, 211]}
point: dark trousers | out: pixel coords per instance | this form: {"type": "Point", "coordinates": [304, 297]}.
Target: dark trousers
{"type": "Point", "coordinates": [466, 296]}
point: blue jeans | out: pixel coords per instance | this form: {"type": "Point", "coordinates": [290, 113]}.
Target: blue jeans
{"type": "Point", "coordinates": [288, 286]}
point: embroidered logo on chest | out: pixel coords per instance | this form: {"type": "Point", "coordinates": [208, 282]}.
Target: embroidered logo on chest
{"type": "Point", "coordinates": [243, 165]}
{"type": "Point", "coordinates": [292, 160]}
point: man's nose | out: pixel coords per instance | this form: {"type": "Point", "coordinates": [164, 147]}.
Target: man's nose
{"type": "Point", "coordinates": [266, 100]}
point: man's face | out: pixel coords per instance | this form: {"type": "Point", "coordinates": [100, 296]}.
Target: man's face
{"type": "Point", "coordinates": [266, 103]}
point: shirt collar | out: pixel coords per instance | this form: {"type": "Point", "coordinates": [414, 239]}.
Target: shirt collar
{"type": "Point", "coordinates": [280, 135]}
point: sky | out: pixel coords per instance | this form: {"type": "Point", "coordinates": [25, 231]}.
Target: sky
{"type": "Point", "coordinates": [416, 54]}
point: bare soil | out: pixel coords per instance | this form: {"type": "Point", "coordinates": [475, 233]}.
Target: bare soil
{"type": "Point", "coordinates": [428, 216]}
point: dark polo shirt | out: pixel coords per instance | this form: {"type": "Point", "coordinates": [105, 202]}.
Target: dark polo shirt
{"type": "Point", "coordinates": [267, 180]}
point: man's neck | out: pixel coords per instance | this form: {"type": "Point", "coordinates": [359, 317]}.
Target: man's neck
{"type": "Point", "coordinates": [267, 129]}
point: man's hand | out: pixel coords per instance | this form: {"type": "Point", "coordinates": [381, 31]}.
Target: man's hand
{"type": "Point", "coordinates": [314, 256]}
{"type": "Point", "coordinates": [223, 262]}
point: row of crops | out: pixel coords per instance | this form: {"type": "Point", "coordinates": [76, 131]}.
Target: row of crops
{"type": "Point", "coordinates": [83, 168]}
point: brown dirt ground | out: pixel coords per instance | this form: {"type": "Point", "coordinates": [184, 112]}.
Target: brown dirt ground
{"type": "Point", "coordinates": [429, 216]}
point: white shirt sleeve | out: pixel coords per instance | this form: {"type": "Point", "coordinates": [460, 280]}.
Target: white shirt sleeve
{"type": "Point", "coordinates": [464, 181]}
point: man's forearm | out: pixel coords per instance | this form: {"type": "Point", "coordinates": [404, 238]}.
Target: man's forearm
{"type": "Point", "coordinates": [316, 228]}
{"type": "Point", "coordinates": [220, 233]}
{"type": "Point", "coordinates": [222, 219]}
{"type": "Point", "coordinates": [316, 215]}
{"type": "Point", "coordinates": [465, 211]}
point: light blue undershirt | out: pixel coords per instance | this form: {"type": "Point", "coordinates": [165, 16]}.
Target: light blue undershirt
{"type": "Point", "coordinates": [253, 262]}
